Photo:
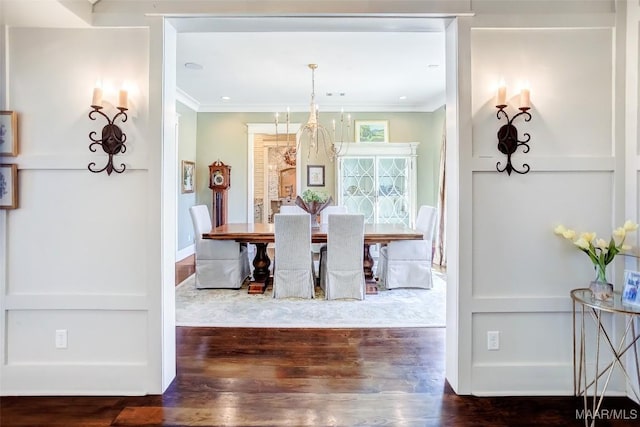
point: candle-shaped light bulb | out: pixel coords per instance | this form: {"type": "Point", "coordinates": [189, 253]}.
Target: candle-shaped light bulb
{"type": "Point", "coordinates": [333, 124]}
{"type": "Point", "coordinates": [288, 114]}
{"type": "Point", "coordinates": [277, 114]}
{"type": "Point", "coordinates": [501, 98]}
{"type": "Point", "coordinates": [96, 101]}
{"type": "Point", "coordinates": [123, 98]}
{"type": "Point", "coordinates": [525, 96]}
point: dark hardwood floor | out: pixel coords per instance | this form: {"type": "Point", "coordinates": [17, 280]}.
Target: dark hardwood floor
{"type": "Point", "coordinates": [307, 377]}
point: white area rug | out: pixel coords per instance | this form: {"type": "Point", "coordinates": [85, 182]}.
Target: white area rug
{"type": "Point", "coordinates": [236, 308]}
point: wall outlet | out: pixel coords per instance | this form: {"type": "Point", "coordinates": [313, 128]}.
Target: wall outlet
{"type": "Point", "coordinates": [493, 340]}
{"type": "Point", "coordinates": [61, 338]}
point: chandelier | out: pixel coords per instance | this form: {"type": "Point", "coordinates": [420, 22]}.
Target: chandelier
{"type": "Point", "coordinates": [313, 133]}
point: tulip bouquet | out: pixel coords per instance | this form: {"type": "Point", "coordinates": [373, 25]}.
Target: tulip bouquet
{"type": "Point", "coordinates": [600, 251]}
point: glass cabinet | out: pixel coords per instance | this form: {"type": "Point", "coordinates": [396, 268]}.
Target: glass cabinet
{"type": "Point", "coordinates": [378, 180]}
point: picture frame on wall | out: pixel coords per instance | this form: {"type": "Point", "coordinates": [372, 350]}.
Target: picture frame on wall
{"type": "Point", "coordinates": [188, 176]}
{"type": "Point", "coordinates": [8, 133]}
{"type": "Point", "coordinates": [8, 186]}
{"type": "Point", "coordinates": [371, 131]}
{"type": "Point", "coordinates": [315, 175]}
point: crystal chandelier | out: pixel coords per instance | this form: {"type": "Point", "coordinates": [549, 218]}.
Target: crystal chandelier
{"type": "Point", "coordinates": [313, 133]}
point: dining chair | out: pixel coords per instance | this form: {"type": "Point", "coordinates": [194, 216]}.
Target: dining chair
{"type": "Point", "coordinates": [342, 273]}
{"type": "Point", "coordinates": [292, 209]}
{"type": "Point", "coordinates": [330, 210]}
{"type": "Point", "coordinates": [407, 263]}
{"type": "Point", "coordinates": [219, 263]}
{"type": "Point", "coordinates": [293, 275]}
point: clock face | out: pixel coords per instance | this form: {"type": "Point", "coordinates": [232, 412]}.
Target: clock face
{"type": "Point", "coordinates": [218, 178]}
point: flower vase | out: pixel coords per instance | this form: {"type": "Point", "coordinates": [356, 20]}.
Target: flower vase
{"type": "Point", "coordinates": [600, 288]}
{"type": "Point", "coordinates": [313, 208]}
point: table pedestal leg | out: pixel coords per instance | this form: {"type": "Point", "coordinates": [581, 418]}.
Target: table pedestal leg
{"type": "Point", "coordinates": [367, 267]}
{"type": "Point", "coordinates": [261, 263]}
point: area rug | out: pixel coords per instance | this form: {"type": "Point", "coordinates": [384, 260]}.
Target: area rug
{"type": "Point", "coordinates": [237, 308]}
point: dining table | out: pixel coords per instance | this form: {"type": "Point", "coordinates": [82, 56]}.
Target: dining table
{"type": "Point", "coordinates": [261, 234]}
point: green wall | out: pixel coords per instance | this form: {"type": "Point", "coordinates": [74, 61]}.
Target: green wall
{"type": "Point", "coordinates": [188, 123]}
{"type": "Point", "coordinates": [223, 136]}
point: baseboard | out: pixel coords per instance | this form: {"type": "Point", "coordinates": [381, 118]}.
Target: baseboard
{"type": "Point", "coordinates": [183, 253]}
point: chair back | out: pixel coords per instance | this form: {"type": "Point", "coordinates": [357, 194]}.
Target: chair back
{"type": "Point", "coordinates": [201, 220]}
{"type": "Point", "coordinates": [293, 271]}
{"type": "Point", "coordinates": [292, 209]}
{"type": "Point", "coordinates": [343, 274]}
{"type": "Point", "coordinates": [345, 241]}
{"type": "Point", "coordinates": [331, 210]}
{"type": "Point", "coordinates": [207, 248]}
{"type": "Point", "coordinates": [292, 241]}
{"type": "Point", "coordinates": [426, 221]}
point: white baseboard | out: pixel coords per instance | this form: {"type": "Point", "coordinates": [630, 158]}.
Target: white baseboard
{"type": "Point", "coordinates": [183, 253]}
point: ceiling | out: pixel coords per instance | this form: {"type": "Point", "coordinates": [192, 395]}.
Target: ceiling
{"type": "Point", "coordinates": [261, 64]}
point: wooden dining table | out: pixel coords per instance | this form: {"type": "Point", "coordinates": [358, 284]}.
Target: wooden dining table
{"type": "Point", "coordinates": [260, 235]}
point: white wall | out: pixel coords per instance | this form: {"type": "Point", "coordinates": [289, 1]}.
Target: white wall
{"type": "Point", "coordinates": [77, 248]}
{"type": "Point", "coordinates": [520, 272]}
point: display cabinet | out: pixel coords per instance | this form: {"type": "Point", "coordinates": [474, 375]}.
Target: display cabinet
{"type": "Point", "coordinates": [378, 180]}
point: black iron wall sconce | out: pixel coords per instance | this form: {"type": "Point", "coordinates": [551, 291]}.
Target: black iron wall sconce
{"type": "Point", "coordinates": [113, 139]}
{"type": "Point", "coordinates": [508, 141]}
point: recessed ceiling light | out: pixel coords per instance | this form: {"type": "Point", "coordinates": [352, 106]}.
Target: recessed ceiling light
{"type": "Point", "coordinates": [403, 97]}
{"type": "Point", "coordinates": [433, 65]}
{"type": "Point", "coordinates": [193, 66]}
{"type": "Point", "coordinates": [225, 98]}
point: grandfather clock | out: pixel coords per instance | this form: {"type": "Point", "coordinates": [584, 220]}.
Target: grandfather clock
{"type": "Point", "coordinates": [219, 182]}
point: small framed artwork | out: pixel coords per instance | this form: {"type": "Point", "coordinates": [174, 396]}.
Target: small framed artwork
{"type": "Point", "coordinates": [372, 130]}
{"type": "Point", "coordinates": [8, 186]}
{"type": "Point", "coordinates": [188, 176]}
{"type": "Point", "coordinates": [315, 175]}
{"type": "Point", "coordinates": [631, 291]}
{"type": "Point", "coordinates": [8, 133]}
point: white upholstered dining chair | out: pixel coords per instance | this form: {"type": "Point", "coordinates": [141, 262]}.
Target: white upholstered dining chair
{"type": "Point", "coordinates": [342, 273]}
{"type": "Point", "coordinates": [293, 275]}
{"type": "Point", "coordinates": [219, 263]}
{"type": "Point", "coordinates": [330, 210]}
{"type": "Point", "coordinates": [407, 263]}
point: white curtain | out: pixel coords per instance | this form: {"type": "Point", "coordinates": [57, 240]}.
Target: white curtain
{"type": "Point", "coordinates": [440, 255]}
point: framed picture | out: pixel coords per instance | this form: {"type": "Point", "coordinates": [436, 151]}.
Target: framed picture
{"type": "Point", "coordinates": [631, 291]}
{"type": "Point", "coordinates": [188, 176]}
{"type": "Point", "coordinates": [8, 133]}
{"type": "Point", "coordinates": [8, 186]}
{"type": "Point", "coordinates": [315, 175]}
{"type": "Point", "coordinates": [372, 131]}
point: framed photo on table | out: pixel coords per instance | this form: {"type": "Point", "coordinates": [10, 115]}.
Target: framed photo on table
{"type": "Point", "coordinates": [8, 186]}
{"type": "Point", "coordinates": [188, 176]}
{"type": "Point", "coordinates": [631, 291]}
{"type": "Point", "coordinates": [8, 133]}
{"type": "Point", "coordinates": [315, 175]}
{"type": "Point", "coordinates": [372, 131]}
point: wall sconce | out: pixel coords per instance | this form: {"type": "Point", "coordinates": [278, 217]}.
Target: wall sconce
{"type": "Point", "coordinates": [508, 141]}
{"type": "Point", "coordinates": [113, 139]}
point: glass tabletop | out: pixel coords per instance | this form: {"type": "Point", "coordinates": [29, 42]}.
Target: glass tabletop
{"type": "Point", "coordinates": [614, 305]}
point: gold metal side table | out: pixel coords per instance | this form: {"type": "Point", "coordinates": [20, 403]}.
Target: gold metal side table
{"type": "Point", "coordinates": [583, 303]}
